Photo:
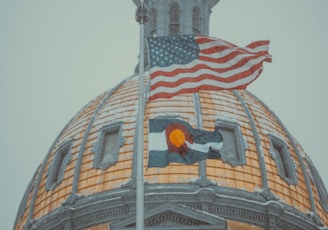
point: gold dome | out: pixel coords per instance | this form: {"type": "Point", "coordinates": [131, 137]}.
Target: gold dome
{"type": "Point", "coordinates": [264, 178]}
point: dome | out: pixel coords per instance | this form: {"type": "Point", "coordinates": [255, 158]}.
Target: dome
{"type": "Point", "coordinates": [264, 179]}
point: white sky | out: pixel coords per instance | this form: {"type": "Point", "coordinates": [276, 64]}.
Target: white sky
{"type": "Point", "coordinates": [55, 56]}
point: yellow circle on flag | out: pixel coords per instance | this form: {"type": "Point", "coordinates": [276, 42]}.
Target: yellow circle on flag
{"type": "Point", "coordinates": [177, 137]}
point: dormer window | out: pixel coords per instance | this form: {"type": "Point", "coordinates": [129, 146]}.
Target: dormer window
{"type": "Point", "coordinates": [58, 167]}
{"type": "Point", "coordinates": [108, 146]}
{"type": "Point", "coordinates": [233, 150]}
{"type": "Point", "coordinates": [281, 155]}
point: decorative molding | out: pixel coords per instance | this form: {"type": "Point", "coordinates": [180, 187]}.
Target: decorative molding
{"type": "Point", "coordinates": [98, 217]}
{"type": "Point", "coordinates": [170, 219]}
{"type": "Point", "coordinates": [203, 182]}
{"type": "Point", "coordinates": [131, 184]}
{"type": "Point", "coordinates": [239, 214]}
{"type": "Point", "coordinates": [315, 218]}
{"type": "Point", "coordinates": [267, 194]}
{"type": "Point", "coordinates": [174, 216]}
{"type": "Point", "coordinates": [177, 203]}
{"type": "Point", "coordinates": [72, 199]}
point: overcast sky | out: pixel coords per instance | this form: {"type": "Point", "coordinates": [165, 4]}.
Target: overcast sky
{"type": "Point", "coordinates": [57, 55]}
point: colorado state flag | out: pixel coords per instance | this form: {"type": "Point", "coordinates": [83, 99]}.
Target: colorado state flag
{"type": "Point", "coordinates": [173, 140]}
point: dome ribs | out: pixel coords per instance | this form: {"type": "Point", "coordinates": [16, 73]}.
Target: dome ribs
{"type": "Point", "coordinates": [120, 107]}
{"type": "Point", "coordinates": [257, 140]}
{"type": "Point", "coordinates": [52, 199]}
{"type": "Point", "coordinates": [301, 195]}
{"type": "Point", "coordinates": [224, 106]}
{"type": "Point", "coordinates": [40, 178]}
{"type": "Point", "coordinates": [83, 144]}
{"type": "Point", "coordinates": [203, 181]}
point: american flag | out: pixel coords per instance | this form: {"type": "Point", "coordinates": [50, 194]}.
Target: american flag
{"type": "Point", "coordinates": [187, 64]}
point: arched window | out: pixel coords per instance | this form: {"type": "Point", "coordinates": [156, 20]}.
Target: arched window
{"type": "Point", "coordinates": [196, 20]}
{"type": "Point", "coordinates": [174, 25]}
{"type": "Point", "coordinates": [153, 22]}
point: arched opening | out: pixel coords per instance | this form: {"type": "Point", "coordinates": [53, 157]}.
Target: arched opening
{"type": "Point", "coordinates": [174, 25]}
{"type": "Point", "coordinates": [196, 20]}
{"type": "Point", "coordinates": [153, 21]}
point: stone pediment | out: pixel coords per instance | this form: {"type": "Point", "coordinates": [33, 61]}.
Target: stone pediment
{"type": "Point", "coordinates": [174, 217]}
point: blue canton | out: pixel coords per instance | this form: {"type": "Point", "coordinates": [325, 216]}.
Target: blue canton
{"type": "Point", "coordinates": [165, 51]}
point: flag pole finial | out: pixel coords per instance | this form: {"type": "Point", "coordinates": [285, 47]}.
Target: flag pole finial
{"type": "Point", "coordinates": [141, 14]}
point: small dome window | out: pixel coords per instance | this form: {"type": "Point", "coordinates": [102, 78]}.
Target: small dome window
{"type": "Point", "coordinates": [285, 165]}
{"type": "Point", "coordinates": [233, 150]}
{"type": "Point", "coordinates": [108, 146]}
{"type": "Point", "coordinates": [58, 167]}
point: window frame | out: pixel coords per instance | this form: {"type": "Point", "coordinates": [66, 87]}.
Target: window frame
{"type": "Point", "coordinates": [59, 164]}
{"type": "Point", "coordinates": [285, 165]}
{"type": "Point", "coordinates": [235, 129]}
{"type": "Point", "coordinates": [100, 143]}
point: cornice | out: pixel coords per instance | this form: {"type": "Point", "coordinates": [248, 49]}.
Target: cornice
{"type": "Point", "coordinates": [182, 202]}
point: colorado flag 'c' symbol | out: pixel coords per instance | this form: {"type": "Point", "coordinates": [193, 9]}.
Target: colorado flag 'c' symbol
{"type": "Point", "coordinates": [173, 140]}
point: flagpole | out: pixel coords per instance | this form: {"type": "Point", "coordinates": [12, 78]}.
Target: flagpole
{"type": "Point", "coordinates": [141, 17]}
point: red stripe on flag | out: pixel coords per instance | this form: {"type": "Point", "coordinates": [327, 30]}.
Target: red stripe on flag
{"type": "Point", "coordinates": [255, 44]}
{"type": "Point", "coordinates": [231, 79]}
{"type": "Point", "coordinates": [195, 68]}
